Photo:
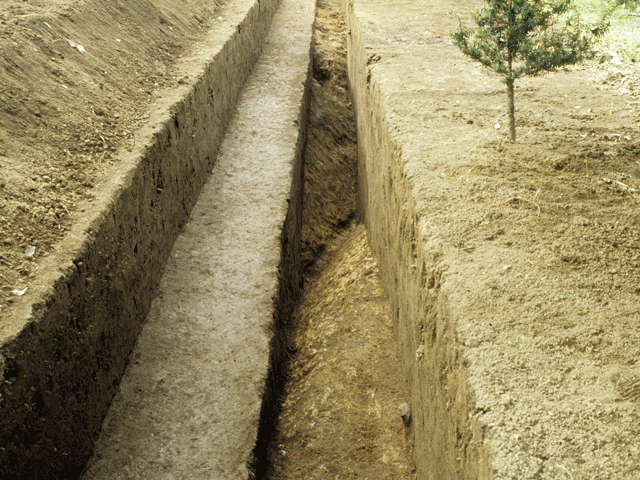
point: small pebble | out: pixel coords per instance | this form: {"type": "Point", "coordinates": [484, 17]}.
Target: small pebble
{"type": "Point", "coordinates": [405, 413]}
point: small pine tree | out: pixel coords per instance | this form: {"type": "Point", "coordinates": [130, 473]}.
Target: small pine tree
{"type": "Point", "coordinates": [515, 38]}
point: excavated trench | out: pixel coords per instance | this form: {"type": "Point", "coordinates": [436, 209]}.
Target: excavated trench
{"type": "Point", "coordinates": [342, 411]}
{"type": "Point", "coordinates": [335, 407]}
{"type": "Point", "coordinates": [225, 349]}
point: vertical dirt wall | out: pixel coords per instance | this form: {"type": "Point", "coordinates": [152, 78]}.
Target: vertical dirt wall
{"type": "Point", "coordinates": [447, 445]}
{"type": "Point", "coordinates": [330, 153]}
{"type": "Point", "coordinates": [61, 358]}
{"type": "Point", "coordinates": [290, 282]}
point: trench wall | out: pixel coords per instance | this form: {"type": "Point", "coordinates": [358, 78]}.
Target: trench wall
{"type": "Point", "coordinates": [447, 444]}
{"type": "Point", "coordinates": [62, 355]}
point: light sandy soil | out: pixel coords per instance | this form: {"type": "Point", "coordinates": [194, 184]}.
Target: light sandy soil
{"type": "Point", "coordinates": [533, 246]}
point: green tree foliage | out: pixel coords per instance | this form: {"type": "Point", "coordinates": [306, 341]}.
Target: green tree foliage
{"type": "Point", "coordinates": [515, 38]}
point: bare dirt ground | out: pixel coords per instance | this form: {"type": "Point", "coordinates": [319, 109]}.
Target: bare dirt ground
{"type": "Point", "coordinates": [330, 156]}
{"type": "Point", "coordinates": [536, 243]}
{"type": "Point", "coordinates": [567, 193]}
{"type": "Point", "coordinates": [76, 82]}
{"type": "Point", "coordinates": [341, 416]}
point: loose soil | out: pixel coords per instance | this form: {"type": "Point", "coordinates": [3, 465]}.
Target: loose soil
{"type": "Point", "coordinates": [340, 416]}
{"type": "Point", "coordinates": [330, 156]}
{"type": "Point", "coordinates": [77, 80]}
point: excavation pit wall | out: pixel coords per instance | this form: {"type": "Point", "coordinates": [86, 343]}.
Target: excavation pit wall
{"type": "Point", "coordinates": [200, 391]}
{"type": "Point", "coordinates": [61, 357]}
{"type": "Point", "coordinates": [447, 444]}
{"type": "Point", "coordinates": [64, 345]}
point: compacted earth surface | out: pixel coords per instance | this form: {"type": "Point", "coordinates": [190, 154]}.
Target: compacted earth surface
{"type": "Point", "coordinates": [536, 242]}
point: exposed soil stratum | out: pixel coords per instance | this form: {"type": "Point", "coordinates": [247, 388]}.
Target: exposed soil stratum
{"type": "Point", "coordinates": [563, 344]}
{"type": "Point", "coordinates": [535, 244]}
{"type": "Point", "coordinates": [77, 80]}
{"type": "Point", "coordinates": [339, 416]}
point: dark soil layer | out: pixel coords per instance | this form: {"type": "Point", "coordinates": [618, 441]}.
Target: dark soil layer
{"type": "Point", "coordinates": [330, 156]}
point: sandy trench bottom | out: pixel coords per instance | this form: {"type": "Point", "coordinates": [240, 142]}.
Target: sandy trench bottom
{"type": "Point", "coordinates": [341, 416]}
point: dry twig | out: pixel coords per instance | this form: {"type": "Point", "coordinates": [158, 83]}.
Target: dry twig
{"type": "Point", "coordinates": [520, 199]}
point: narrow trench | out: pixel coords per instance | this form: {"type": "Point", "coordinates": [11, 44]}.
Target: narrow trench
{"type": "Point", "coordinates": [340, 410]}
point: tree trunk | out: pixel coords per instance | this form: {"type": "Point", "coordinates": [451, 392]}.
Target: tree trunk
{"type": "Point", "coordinates": [511, 108]}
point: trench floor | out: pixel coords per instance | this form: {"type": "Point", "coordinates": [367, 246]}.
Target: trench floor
{"type": "Point", "coordinates": [189, 403]}
{"type": "Point", "coordinates": [340, 418]}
